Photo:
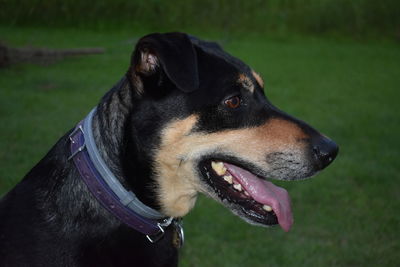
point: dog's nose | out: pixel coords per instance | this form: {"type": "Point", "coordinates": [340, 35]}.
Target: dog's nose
{"type": "Point", "coordinates": [325, 150]}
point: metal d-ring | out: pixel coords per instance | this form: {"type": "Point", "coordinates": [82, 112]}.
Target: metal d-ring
{"type": "Point", "coordinates": [181, 234]}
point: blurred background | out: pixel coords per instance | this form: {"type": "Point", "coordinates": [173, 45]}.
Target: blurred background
{"type": "Point", "coordinates": [332, 63]}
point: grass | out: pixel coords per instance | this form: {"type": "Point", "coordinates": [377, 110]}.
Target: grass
{"type": "Point", "coordinates": [359, 18]}
{"type": "Point", "coordinates": [346, 216]}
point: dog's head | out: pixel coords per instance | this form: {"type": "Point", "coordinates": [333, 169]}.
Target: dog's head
{"type": "Point", "coordinates": [206, 126]}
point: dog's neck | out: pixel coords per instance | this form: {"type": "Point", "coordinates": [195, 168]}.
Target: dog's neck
{"type": "Point", "coordinates": [59, 183]}
{"type": "Point", "coordinates": [114, 135]}
{"type": "Point", "coordinates": [109, 124]}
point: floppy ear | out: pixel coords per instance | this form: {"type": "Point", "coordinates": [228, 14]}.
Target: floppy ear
{"type": "Point", "coordinates": [206, 44]}
{"type": "Point", "coordinates": [171, 52]}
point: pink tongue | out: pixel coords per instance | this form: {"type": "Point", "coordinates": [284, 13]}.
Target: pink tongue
{"type": "Point", "coordinates": [266, 193]}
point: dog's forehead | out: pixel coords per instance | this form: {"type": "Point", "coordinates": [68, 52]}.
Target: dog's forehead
{"type": "Point", "coordinates": [214, 50]}
{"type": "Point", "coordinates": [222, 68]}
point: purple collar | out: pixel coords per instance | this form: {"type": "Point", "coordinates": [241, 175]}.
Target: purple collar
{"type": "Point", "coordinates": [103, 184]}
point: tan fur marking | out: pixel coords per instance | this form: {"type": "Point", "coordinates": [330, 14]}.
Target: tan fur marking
{"type": "Point", "coordinates": [246, 82]}
{"type": "Point", "coordinates": [258, 78]}
{"type": "Point", "coordinates": [177, 190]}
{"type": "Point", "coordinates": [181, 151]}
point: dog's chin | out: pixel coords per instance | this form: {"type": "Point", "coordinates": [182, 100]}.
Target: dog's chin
{"type": "Point", "coordinates": [230, 184]}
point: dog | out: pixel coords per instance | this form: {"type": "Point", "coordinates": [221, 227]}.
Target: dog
{"type": "Point", "coordinates": [186, 118]}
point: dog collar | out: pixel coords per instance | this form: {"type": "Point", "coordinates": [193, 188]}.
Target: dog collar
{"type": "Point", "coordinates": [106, 188]}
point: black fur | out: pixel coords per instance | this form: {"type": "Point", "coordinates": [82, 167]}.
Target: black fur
{"type": "Point", "coordinates": [51, 219]}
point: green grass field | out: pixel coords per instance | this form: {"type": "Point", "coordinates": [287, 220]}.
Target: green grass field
{"type": "Point", "coordinates": [347, 216]}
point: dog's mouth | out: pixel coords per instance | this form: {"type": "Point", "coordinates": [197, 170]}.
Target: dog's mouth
{"type": "Point", "coordinates": [253, 198]}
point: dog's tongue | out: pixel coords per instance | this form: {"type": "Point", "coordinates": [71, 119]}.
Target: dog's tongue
{"type": "Point", "coordinates": [266, 193]}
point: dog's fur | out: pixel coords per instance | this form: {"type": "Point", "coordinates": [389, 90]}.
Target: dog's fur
{"type": "Point", "coordinates": [154, 129]}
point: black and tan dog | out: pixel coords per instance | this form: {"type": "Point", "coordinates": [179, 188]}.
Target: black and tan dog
{"type": "Point", "coordinates": [186, 118]}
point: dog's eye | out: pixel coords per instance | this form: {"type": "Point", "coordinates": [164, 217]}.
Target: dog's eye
{"type": "Point", "coordinates": [233, 102]}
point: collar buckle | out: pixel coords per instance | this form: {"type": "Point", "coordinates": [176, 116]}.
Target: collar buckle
{"type": "Point", "coordinates": [156, 237]}
{"type": "Point", "coordinates": [161, 225]}
{"type": "Point", "coordinates": [82, 147]}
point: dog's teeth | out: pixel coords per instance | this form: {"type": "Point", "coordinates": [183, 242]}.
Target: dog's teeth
{"type": "Point", "coordinates": [218, 167]}
{"type": "Point", "coordinates": [228, 178]}
{"type": "Point", "coordinates": [246, 193]}
{"type": "Point", "coordinates": [238, 187]}
{"type": "Point", "coordinates": [267, 208]}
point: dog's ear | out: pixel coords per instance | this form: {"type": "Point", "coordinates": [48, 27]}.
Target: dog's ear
{"type": "Point", "coordinates": [205, 44]}
{"type": "Point", "coordinates": [171, 52]}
